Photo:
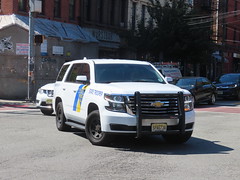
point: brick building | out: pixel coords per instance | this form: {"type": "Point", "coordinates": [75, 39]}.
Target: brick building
{"type": "Point", "coordinates": [229, 19]}
{"type": "Point", "coordinates": [64, 40]}
{"type": "Point", "coordinates": [224, 15]}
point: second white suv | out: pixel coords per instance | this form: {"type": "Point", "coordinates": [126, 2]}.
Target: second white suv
{"type": "Point", "coordinates": [108, 96]}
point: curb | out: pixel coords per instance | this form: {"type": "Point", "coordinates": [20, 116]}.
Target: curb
{"type": "Point", "coordinates": [17, 103]}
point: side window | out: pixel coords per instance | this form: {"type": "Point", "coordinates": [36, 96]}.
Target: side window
{"type": "Point", "coordinates": [62, 72]}
{"type": "Point", "coordinates": [199, 82]}
{"type": "Point", "coordinates": [205, 81]}
{"type": "Point", "coordinates": [77, 70]}
{"type": "Point", "coordinates": [86, 71]}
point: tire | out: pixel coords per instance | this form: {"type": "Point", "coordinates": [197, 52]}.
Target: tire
{"type": "Point", "coordinates": [212, 100]}
{"type": "Point", "coordinates": [61, 119]}
{"type": "Point", "coordinates": [93, 130]}
{"type": "Point", "coordinates": [238, 95]}
{"type": "Point", "coordinates": [46, 112]}
{"type": "Point", "coordinates": [177, 138]}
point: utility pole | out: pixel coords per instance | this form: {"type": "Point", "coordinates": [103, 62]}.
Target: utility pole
{"type": "Point", "coordinates": [30, 50]}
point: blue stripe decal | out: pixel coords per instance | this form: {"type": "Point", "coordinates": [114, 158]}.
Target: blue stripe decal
{"type": "Point", "coordinates": [77, 97]}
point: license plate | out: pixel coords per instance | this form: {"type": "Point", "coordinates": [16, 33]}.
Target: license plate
{"type": "Point", "coordinates": [49, 101]}
{"type": "Point", "coordinates": [159, 127]}
{"type": "Point", "coordinates": [220, 92]}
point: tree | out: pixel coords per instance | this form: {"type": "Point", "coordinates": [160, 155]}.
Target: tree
{"type": "Point", "coordinates": [169, 36]}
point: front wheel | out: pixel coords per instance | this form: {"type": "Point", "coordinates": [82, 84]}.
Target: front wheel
{"type": "Point", "coordinates": [93, 130]}
{"type": "Point", "coordinates": [47, 112]}
{"type": "Point", "coordinates": [238, 95]}
{"type": "Point", "coordinates": [177, 138]}
{"type": "Point", "coordinates": [60, 118]}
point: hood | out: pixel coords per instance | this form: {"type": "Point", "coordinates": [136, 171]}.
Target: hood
{"type": "Point", "coordinates": [49, 86]}
{"type": "Point", "coordinates": [225, 84]}
{"type": "Point", "coordinates": [131, 88]}
{"type": "Point", "coordinates": [188, 87]}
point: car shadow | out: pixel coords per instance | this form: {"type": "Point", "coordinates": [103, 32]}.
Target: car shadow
{"type": "Point", "coordinates": [156, 145]}
{"type": "Point", "coordinates": [219, 103]}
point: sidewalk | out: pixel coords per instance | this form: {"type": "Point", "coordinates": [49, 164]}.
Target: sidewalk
{"type": "Point", "coordinates": [17, 103]}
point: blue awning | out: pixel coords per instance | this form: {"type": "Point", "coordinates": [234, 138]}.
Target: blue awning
{"type": "Point", "coordinates": [216, 55]}
{"type": "Point", "coordinates": [50, 28]}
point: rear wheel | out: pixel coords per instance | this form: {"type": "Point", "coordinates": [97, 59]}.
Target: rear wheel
{"type": "Point", "coordinates": [93, 130]}
{"type": "Point", "coordinates": [177, 138]}
{"type": "Point", "coordinates": [60, 118]}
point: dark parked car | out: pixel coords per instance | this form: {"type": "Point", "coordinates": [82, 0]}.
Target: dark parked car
{"type": "Point", "coordinates": [200, 87]}
{"type": "Point", "coordinates": [228, 86]}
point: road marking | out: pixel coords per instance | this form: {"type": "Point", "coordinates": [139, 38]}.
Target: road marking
{"type": "Point", "coordinates": [15, 107]}
{"type": "Point", "coordinates": [223, 109]}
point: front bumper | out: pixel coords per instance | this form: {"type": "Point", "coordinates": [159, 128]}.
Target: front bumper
{"type": "Point", "coordinates": [172, 118]}
{"type": "Point", "coordinates": [227, 92]}
{"type": "Point", "coordinates": [44, 104]}
{"type": "Point", "coordinates": [123, 123]}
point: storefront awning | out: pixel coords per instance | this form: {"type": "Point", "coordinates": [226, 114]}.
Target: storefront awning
{"type": "Point", "coordinates": [216, 55]}
{"type": "Point", "coordinates": [49, 28]}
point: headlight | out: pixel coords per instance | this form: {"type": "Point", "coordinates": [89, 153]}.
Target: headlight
{"type": "Point", "coordinates": [49, 93]}
{"type": "Point", "coordinates": [188, 102]}
{"type": "Point", "coordinates": [232, 86]}
{"type": "Point", "coordinates": [116, 103]}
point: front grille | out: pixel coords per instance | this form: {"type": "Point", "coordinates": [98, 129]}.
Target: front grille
{"type": "Point", "coordinates": [156, 104]}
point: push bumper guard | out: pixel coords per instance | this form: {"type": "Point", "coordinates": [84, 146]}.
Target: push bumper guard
{"type": "Point", "coordinates": [140, 116]}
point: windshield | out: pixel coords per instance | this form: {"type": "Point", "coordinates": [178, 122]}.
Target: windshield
{"type": "Point", "coordinates": [186, 82]}
{"type": "Point", "coordinates": [107, 73]}
{"type": "Point", "coordinates": [229, 78]}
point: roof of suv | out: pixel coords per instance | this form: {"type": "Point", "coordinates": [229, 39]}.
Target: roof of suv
{"type": "Point", "coordinates": [110, 61]}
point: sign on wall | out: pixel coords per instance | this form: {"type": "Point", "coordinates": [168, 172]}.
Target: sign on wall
{"type": "Point", "coordinates": [57, 50]}
{"type": "Point", "coordinates": [22, 48]}
{"type": "Point", "coordinates": [44, 48]}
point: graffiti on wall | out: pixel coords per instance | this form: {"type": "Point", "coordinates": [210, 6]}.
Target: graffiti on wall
{"type": "Point", "coordinates": [6, 44]}
{"type": "Point", "coordinates": [48, 59]}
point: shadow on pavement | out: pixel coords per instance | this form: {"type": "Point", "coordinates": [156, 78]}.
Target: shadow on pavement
{"type": "Point", "coordinates": [156, 145]}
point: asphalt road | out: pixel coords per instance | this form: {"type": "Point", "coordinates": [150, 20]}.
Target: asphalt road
{"type": "Point", "coordinates": [32, 148]}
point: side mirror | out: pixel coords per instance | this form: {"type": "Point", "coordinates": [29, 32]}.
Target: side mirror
{"type": "Point", "coordinates": [168, 79]}
{"type": "Point", "coordinates": [81, 78]}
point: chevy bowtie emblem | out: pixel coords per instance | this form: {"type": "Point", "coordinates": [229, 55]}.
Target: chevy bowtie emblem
{"type": "Point", "coordinates": [157, 104]}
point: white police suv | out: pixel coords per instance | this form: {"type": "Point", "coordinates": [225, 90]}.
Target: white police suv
{"type": "Point", "coordinates": [109, 96]}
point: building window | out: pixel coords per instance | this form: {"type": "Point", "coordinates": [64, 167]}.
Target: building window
{"type": "Point", "coordinates": [22, 5]}
{"type": "Point", "coordinates": [57, 8]}
{"type": "Point", "coordinates": [112, 12]}
{"type": "Point", "coordinates": [43, 7]}
{"type": "Point", "coordinates": [100, 10]}
{"type": "Point", "coordinates": [134, 15]}
{"type": "Point", "coordinates": [88, 9]}
{"type": "Point", "coordinates": [143, 14]}
{"type": "Point", "coordinates": [235, 7]}
{"type": "Point", "coordinates": [123, 15]}
{"type": "Point", "coordinates": [234, 35]}
{"type": "Point", "coordinates": [72, 9]}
